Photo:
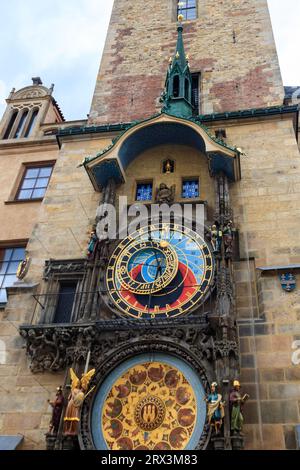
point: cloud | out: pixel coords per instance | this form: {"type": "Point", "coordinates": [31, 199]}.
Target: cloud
{"type": "Point", "coordinates": [3, 91]}
{"type": "Point", "coordinates": [62, 41]}
{"type": "Point", "coordinates": [285, 19]}
{"type": "Point", "coordinates": [62, 33]}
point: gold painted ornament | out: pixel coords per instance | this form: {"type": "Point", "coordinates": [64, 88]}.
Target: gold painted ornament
{"type": "Point", "coordinates": [152, 406]}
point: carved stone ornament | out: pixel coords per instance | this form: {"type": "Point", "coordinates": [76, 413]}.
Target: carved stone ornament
{"type": "Point", "coordinates": [63, 267]}
{"type": "Point", "coordinates": [224, 302]}
{"type": "Point", "coordinates": [225, 348]}
{"type": "Point", "coordinates": [31, 92]}
{"type": "Point", "coordinates": [164, 194]}
{"type": "Point", "coordinates": [53, 348]}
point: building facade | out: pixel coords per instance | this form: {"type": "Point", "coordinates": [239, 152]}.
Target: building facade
{"type": "Point", "coordinates": [185, 112]}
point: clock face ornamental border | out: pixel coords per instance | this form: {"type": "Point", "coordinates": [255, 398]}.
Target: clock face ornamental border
{"type": "Point", "coordinates": [110, 374]}
{"type": "Point", "coordinates": [160, 271]}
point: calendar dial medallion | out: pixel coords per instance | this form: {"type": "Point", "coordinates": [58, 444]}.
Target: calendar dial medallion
{"type": "Point", "coordinates": [160, 271]}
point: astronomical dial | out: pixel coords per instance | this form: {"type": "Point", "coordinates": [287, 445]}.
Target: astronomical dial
{"type": "Point", "coordinates": [146, 267]}
{"type": "Point", "coordinates": [160, 271]}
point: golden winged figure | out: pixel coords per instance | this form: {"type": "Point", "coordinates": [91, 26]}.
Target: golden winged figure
{"type": "Point", "coordinates": [79, 391]}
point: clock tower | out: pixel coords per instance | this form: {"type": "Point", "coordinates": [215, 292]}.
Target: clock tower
{"type": "Point", "coordinates": [230, 46]}
{"type": "Point", "coordinates": [168, 285]}
{"type": "Point", "coordinates": [186, 178]}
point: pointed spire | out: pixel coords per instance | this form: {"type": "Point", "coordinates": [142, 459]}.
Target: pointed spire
{"type": "Point", "coordinates": [180, 57]}
{"type": "Point", "coordinates": [177, 97]}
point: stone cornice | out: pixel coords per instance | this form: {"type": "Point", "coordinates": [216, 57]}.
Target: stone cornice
{"type": "Point", "coordinates": [202, 118]}
{"type": "Point", "coordinates": [27, 144]}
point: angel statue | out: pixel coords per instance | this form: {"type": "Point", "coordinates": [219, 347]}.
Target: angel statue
{"type": "Point", "coordinates": [215, 408]}
{"type": "Point", "coordinates": [164, 194]}
{"type": "Point", "coordinates": [79, 392]}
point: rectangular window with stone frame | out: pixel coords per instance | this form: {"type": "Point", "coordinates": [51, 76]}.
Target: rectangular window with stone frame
{"type": "Point", "coordinates": [35, 181]}
{"type": "Point", "coordinates": [190, 188]}
{"type": "Point", "coordinates": [10, 259]}
{"type": "Point", "coordinates": [60, 304]}
{"type": "Point", "coordinates": [144, 191]}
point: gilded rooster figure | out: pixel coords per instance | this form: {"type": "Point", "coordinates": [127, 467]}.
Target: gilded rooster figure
{"type": "Point", "coordinates": [79, 391]}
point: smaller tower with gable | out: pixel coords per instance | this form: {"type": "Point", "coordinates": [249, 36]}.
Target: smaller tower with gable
{"type": "Point", "coordinates": [27, 109]}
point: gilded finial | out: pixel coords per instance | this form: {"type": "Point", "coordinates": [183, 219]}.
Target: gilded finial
{"type": "Point", "coordinates": [170, 60]}
{"type": "Point", "coordinates": [180, 18]}
{"type": "Point", "coordinates": [177, 55]}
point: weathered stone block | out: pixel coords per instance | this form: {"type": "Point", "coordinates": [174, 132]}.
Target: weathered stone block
{"type": "Point", "coordinates": [273, 437]}
{"type": "Point", "coordinates": [251, 412]}
{"type": "Point", "coordinates": [292, 373]}
{"type": "Point", "coordinates": [271, 375]}
{"type": "Point", "coordinates": [279, 411]}
{"type": "Point", "coordinates": [290, 437]}
{"type": "Point", "coordinates": [244, 345]}
{"type": "Point", "coordinates": [248, 375]}
{"type": "Point", "coordinates": [256, 391]}
{"type": "Point", "coordinates": [18, 423]}
{"type": "Point", "coordinates": [284, 391]}
{"type": "Point", "coordinates": [247, 360]}
{"type": "Point", "coordinates": [267, 360]}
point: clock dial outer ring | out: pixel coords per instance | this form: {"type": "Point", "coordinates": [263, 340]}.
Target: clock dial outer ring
{"type": "Point", "coordinates": [122, 268]}
{"type": "Point", "coordinates": [123, 307]}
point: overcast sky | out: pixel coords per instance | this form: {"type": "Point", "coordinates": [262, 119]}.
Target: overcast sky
{"type": "Point", "coordinates": [62, 42]}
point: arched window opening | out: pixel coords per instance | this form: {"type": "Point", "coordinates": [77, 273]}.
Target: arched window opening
{"type": "Point", "coordinates": [21, 125]}
{"type": "Point", "coordinates": [31, 123]}
{"type": "Point", "coordinates": [187, 89]}
{"type": "Point", "coordinates": [176, 86]}
{"type": "Point", "coordinates": [10, 124]}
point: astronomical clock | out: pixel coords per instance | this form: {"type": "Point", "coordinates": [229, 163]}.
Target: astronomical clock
{"type": "Point", "coordinates": [160, 272]}
{"type": "Point", "coordinates": [154, 401]}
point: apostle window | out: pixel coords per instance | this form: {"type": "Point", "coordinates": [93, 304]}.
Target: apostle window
{"type": "Point", "coordinates": [10, 258]}
{"type": "Point", "coordinates": [34, 183]}
{"type": "Point", "coordinates": [188, 9]}
{"type": "Point", "coordinates": [144, 192]}
{"type": "Point", "coordinates": [190, 189]}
